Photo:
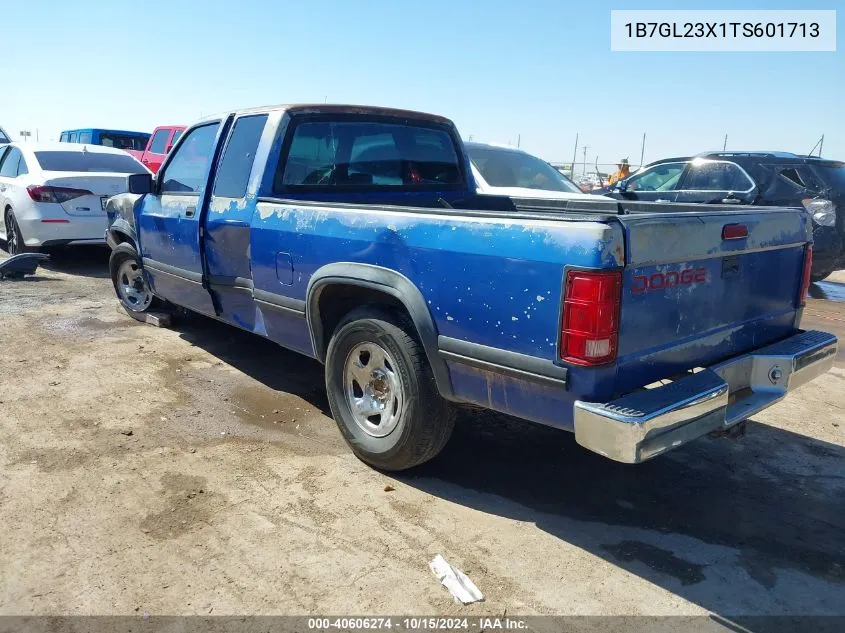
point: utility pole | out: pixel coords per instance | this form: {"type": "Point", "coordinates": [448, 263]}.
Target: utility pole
{"type": "Point", "coordinates": [821, 144]}
{"type": "Point", "coordinates": [585, 160]}
{"type": "Point", "coordinates": [642, 151]}
{"type": "Point", "coordinates": [725, 144]}
{"type": "Point", "coordinates": [574, 157]}
{"type": "Point", "coordinates": [518, 140]}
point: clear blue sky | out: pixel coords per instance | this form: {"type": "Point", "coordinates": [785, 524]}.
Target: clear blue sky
{"type": "Point", "coordinates": [541, 69]}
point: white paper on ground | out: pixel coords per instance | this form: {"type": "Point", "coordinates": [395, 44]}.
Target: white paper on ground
{"type": "Point", "coordinates": [457, 582]}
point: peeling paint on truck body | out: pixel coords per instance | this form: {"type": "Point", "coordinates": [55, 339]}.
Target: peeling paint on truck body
{"type": "Point", "coordinates": [487, 279]}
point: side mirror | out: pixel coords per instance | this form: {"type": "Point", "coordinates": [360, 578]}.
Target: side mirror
{"type": "Point", "coordinates": [621, 186]}
{"type": "Point", "coordinates": [140, 183]}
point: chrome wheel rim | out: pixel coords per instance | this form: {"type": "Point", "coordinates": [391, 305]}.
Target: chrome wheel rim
{"type": "Point", "coordinates": [12, 238]}
{"type": "Point", "coordinates": [131, 287]}
{"type": "Point", "coordinates": [373, 389]}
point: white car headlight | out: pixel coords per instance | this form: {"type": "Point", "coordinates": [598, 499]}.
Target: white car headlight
{"type": "Point", "coordinates": [822, 211]}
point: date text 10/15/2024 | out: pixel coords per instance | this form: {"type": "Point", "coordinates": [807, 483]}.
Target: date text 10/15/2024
{"type": "Point", "coordinates": [409, 624]}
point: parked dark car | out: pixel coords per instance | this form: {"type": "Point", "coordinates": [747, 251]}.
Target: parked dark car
{"type": "Point", "coordinates": [758, 178]}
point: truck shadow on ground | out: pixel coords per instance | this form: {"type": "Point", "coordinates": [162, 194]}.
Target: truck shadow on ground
{"type": "Point", "coordinates": [81, 261]}
{"type": "Point", "coordinates": [278, 369]}
{"type": "Point", "coordinates": [739, 527]}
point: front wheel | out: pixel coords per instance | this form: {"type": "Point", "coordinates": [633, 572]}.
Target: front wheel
{"type": "Point", "coordinates": [382, 393]}
{"type": "Point", "coordinates": [129, 284]}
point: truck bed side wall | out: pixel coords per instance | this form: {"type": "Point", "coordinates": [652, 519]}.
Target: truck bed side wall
{"type": "Point", "coordinates": [490, 282]}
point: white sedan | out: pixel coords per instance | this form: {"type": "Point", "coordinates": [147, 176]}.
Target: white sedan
{"type": "Point", "coordinates": [54, 194]}
{"type": "Point", "coordinates": [507, 171]}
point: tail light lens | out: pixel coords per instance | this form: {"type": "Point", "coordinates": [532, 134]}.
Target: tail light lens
{"type": "Point", "coordinates": [55, 194]}
{"type": "Point", "coordinates": [822, 211]}
{"type": "Point", "coordinates": [590, 319]}
{"type": "Point", "coordinates": [805, 277]}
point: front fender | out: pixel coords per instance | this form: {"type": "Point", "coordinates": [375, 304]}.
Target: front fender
{"type": "Point", "coordinates": [120, 210]}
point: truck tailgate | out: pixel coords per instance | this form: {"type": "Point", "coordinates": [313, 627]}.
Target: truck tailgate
{"type": "Point", "coordinates": [701, 287]}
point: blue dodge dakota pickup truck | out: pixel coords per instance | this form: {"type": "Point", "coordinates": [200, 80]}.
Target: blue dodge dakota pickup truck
{"type": "Point", "coordinates": [354, 235]}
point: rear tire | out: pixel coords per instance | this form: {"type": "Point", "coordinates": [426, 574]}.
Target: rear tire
{"type": "Point", "coordinates": [382, 392]}
{"type": "Point", "coordinates": [131, 288]}
{"type": "Point", "coordinates": [15, 244]}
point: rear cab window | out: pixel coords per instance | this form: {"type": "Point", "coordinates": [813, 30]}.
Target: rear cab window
{"type": "Point", "coordinates": [123, 141]}
{"type": "Point", "coordinates": [343, 153]}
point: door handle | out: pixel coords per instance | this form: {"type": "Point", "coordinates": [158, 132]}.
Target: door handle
{"type": "Point", "coordinates": [189, 212]}
{"type": "Point", "coordinates": [731, 201]}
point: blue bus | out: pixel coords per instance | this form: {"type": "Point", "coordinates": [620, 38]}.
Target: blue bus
{"type": "Point", "coordinates": [121, 139]}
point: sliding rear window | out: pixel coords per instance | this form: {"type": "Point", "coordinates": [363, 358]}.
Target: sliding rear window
{"type": "Point", "coordinates": [326, 155]}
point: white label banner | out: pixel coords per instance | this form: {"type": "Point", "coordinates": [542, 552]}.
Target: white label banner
{"type": "Point", "coordinates": [723, 30]}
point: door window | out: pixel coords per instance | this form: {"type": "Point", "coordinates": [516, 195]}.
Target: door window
{"type": "Point", "coordinates": [238, 157]}
{"type": "Point", "coordinates": [85, 137]}
{"type": "Point", "coordinates": [663, 177]}
{"type": "Point", "coordinates": [9, 168]}
{"type": "Point", "coordinates": [717, 176]}
{"type": "Point", "coordinates": [175, 138]}
{"type": "Point", "coordinates": [159, 143]}
{"type": "Point", "coordinates": [72, 137]}
{"type": "Point", "coordinates": [186, 172]}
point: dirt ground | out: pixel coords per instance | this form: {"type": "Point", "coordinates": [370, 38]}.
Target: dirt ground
{"type": "Point", "coordinates": [196, 470]}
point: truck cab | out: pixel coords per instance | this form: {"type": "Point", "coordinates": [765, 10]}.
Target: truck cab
{"type": "Point", "coordinates": [355, 235]}
{"type": "Point", "coordinates": [163, 139]}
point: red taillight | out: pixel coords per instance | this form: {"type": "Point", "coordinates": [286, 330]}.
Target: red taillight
{"type": "Point", "coordinates": [805, 277]}
{"type": "Point", "coordinates": [590, 321]}
{"type": "Point", "coordinates": [734, 231]}
{"type": "Point", "coordinates": [58, 195]}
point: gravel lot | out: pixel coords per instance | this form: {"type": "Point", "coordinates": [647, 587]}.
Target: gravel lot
{"type": "Point", "coordinates": [196, 470]}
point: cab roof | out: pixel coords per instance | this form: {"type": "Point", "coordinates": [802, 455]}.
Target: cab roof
{"type": "Point", "coordinates": [331, 108]}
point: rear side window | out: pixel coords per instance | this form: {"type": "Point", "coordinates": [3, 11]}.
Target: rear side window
{"type": "Point", "coordinates": [85, 137]}
{"type": "Point", "coordinates": [367, 154]}
{"type": "Point", "coordinates": [716, 176]}
{"type": "Point", "coordinates": [663, 177]}
{"type": "Point", "coordinates": [236, 164]}
{"type": "Point", "coordinates": [71, 137]}
{"type": "Point", "coordinates": [9, 167]}
{"type": "Point", "coordinates": [89, 161]}
{"type": "Point", "coordinates": [63, 138]}
{"type": "Point", "coordinates": [188, 167]}
{"type": "Point", "coordinates": [159, 143]}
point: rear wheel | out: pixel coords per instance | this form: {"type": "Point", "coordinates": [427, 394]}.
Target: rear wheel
{"type": "Point", "coordinates": [129, 284]}
{"type": "Point", "coordinates": [15, 244]}
{"type": "Point", "coordinates": [382, 393]}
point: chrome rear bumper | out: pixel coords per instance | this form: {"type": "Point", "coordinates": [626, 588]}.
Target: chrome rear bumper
{"type": "Point", "coordinates": [643, 424]}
